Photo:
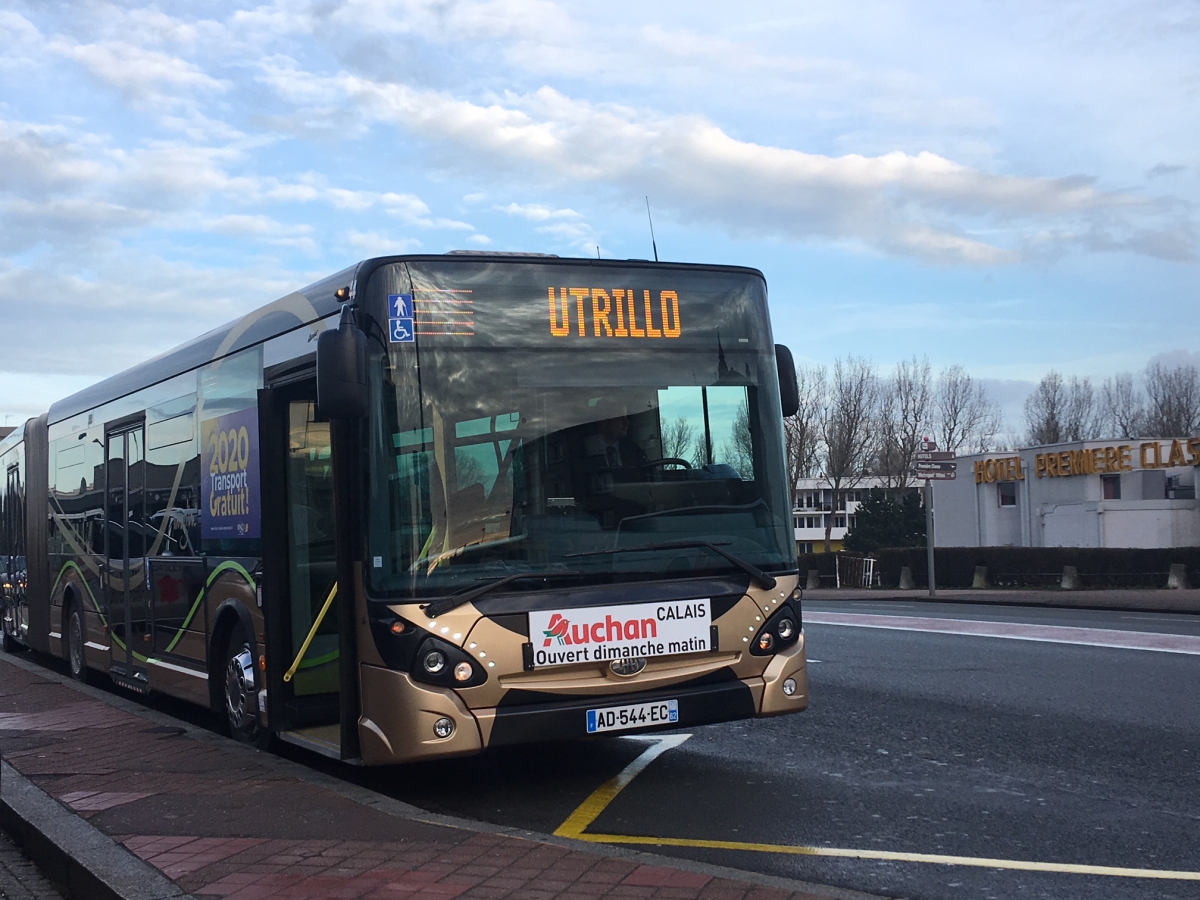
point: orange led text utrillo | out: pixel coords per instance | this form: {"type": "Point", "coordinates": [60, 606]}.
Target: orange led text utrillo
{"type": "Point", "coordinates": [596, 312]}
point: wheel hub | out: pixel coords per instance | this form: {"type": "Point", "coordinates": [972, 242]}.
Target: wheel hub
{"type": "Point", "coordinates": [239, 688]}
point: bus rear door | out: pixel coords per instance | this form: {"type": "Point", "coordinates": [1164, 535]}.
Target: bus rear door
{"type": "Point", "coordinates": [125, 589]}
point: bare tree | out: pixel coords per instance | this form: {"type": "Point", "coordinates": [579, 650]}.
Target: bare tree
{"type": "Point", "coordinates": [964, 416]}
{"type": "Point", "coordinates": [678, 438]}
{"type": "Point", "coordinates": [738, 451]}
{"type": "Point", "coordinates": [1059, 410]}
{"type": "Point", "coordinates": [1174, 400]}
{"type": "Point", "coordinates": [1082, 421]}
{"type": "Point", "coordinates": [802, 432]}
{"type": "Point", "coordinates": [1123, 407]}
{"type": "Point", "coordinates": [1045, 410]}
{"type": "Point", "coordinates": [846, 428]}
{"type": "Point", "coordinates": [904, 411]}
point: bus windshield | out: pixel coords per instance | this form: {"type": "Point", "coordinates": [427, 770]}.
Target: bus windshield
{"type": "Point", "coordinates": [488, 461]}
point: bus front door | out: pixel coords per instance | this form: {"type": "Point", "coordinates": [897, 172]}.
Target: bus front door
{"type": "Point", "coordinates": [125, 590]}
{"type": "Point", "coordinates": [301, 568]}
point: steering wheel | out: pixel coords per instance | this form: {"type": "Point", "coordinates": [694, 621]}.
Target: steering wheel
{"type": "Point", "coordinates": [667, 460]}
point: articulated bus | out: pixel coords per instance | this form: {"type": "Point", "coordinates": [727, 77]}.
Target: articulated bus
{"type": "Point", "coordinates": [429, 505]}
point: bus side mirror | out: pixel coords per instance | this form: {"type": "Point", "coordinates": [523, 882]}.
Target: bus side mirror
{"type": "Point", "coordinates": [342, 370]}
{"type": "Point", "coordinates": [789, 390]}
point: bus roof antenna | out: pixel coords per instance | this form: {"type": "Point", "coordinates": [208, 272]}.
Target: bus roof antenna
{"type": "Point", "coordinates": [652, 243]}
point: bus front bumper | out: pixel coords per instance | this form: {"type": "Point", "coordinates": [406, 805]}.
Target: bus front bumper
{"type": "Point", "coordinates": [411, 710]}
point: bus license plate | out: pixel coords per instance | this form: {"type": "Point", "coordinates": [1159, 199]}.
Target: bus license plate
{"type": "Point", "coordinates": [639, 715]}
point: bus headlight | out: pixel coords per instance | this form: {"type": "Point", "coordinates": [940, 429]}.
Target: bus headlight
{"type": "Point", "coordinates": [778, 632]}
{"type": "Point", "coordinates": [443, 663]}
{"type": "Point", "coordinates": [789, 686]}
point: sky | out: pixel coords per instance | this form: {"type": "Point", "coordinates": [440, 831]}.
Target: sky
{"type": "Point", "coordinates": [1010, 186]}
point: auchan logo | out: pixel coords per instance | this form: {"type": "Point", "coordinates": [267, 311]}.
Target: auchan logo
{"type": "Point", "coordinates": [598, 632]}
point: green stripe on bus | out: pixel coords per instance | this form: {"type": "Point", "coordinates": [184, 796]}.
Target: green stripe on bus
{"type": "Point", "coordinates": [227, 565]}
{"type": "Point", "coordinates": [320, 660]}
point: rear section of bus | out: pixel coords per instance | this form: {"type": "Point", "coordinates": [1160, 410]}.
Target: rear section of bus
{"type": "Point", "coordinates": [577, 512]}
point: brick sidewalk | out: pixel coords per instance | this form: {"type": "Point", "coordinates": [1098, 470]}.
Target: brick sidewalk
{"type": "Point", "coordinates": [222, 821]}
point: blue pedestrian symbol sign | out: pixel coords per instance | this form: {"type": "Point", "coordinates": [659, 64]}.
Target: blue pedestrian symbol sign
{"type": "Point", "coordinates": [400, 318]}
{"type": "Point", "coordinates": [400, 306]}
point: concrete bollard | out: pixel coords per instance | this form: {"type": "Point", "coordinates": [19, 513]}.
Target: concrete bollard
{"type": "Point", "coordinates": [980, 579]}
{"type": "Point", "coordinates": [1070, 578]}
{"type": "Point", "coordinates": [1177, 578]}
{"type": "Point", "coordinates": [814, 580]}
{"type": "Point", "coordinates": [906, 579]}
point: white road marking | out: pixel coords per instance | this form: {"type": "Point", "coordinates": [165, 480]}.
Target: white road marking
{"type": "Point", "coordinates": [589, 810]}
{"type": "Point", "coordinates": [1054, 634]}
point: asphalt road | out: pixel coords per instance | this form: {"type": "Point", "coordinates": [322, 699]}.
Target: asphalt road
{"type": "Point", "coordinates": [916, 743]}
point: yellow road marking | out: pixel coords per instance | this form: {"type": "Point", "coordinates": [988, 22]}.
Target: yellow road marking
{"type": "Point", "coordinates": [978, 861]}
{"type": "Point", "coordinates": [590, 809]}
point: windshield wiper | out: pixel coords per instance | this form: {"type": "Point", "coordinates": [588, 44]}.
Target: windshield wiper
{"type": "Point", "coordinates": [445, 604]}
{"type": "Point", "coordinates": [761, 578]}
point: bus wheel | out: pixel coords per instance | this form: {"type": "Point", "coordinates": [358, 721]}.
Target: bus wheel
{"type": "Point", "coordinates": [240, 700]}
{"type": "Point", "coordinates": [76, 661]}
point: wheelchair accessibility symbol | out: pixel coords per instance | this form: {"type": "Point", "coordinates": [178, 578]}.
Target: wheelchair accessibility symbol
{"type": "Point", "coordinates": [400, 331]}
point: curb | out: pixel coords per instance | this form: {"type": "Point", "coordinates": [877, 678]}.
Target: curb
{"type": "Point", "coordinates": [77, 858]}
{"type": "Point", "coordinates": [89, 864]}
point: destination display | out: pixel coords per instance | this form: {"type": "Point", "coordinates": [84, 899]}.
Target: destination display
{"type": "Point", "coordinates": [567, 637]}
{"type": "Point", "coordinates": [476, 303]}
{"type": "Point", "coordinates": [618, 313]}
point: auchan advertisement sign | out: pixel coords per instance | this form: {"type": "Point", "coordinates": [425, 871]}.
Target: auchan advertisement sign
{"type": "Point", "coordinates": [603, 633]}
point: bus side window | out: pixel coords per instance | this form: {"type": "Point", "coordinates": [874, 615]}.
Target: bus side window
{"type": "Point", "coordinates": [172, 511]}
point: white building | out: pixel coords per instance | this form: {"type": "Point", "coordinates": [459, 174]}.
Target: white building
{"type": "Point", "coordinates": [813, 505]}
{"type": "Point", "coordinates": [1131, 493]}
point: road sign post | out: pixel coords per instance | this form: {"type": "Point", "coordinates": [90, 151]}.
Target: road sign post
{"type": "Point", "coordinates": [929, 537]}
{"type": "Point", "coordinates": [932, 464]}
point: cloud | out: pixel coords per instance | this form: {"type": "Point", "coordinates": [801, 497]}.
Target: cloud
{"type": "Point", "coordinates": [18, 36]}
{"type": "Point", "coordinates": [128, 306]}
{"type": "Point", "coordinates": [576, 234]}
{"type": "Point", "coordinates": [564, 225]}
{"type": "Point", "coordinates": [1171, 359]}
{"type": "Point", "coordinates": [918, 205]}
{"type": "Point", "coordinates": [1161, 169]}
{"type": "Point", "coordinates": [369, 244]}
{"type": "Point", "coordinates": [144, 76]}
{"type": "Point", "coordinates": [535, 212]}
{"type": "Point", "coordinates": [58, 186]}
{"type": "Point", "coordinates": [266, 229]}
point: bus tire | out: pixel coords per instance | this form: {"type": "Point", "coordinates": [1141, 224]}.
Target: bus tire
{"type": "Point", "coordinates": [75, 652]}
{"type": "Point", "coordinates": [241, 717]}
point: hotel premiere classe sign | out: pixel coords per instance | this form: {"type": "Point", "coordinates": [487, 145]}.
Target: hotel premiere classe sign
{"type": "Point", "coordinates": [1111, 459]}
